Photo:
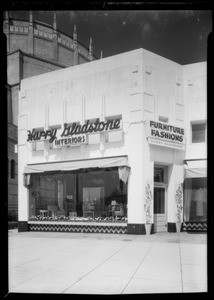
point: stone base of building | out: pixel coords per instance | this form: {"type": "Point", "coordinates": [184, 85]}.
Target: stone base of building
{"type": "Point", "coordinates": [171, 227]}
{"type": "Point", "coordinates": [22, 226]}
{"type": "Point", "coordinates": [106, 228]}
{"type": "Point", "coordinates": [195, 226]}
{"type": "Point", "coordinates": [138, 229]}
{"type": "Point", "coordinates": [81, 228]}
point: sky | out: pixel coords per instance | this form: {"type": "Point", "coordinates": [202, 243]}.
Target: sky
{"type": "Point", "coordinates": [179, 35]}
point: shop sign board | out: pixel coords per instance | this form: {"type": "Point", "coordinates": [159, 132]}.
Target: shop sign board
{"type": "Point", "coordinates": [70, 141]}
{"type": "Point", "coordinates": [164, 134]}
{"type": "Point", "coordinates": [74, 134]}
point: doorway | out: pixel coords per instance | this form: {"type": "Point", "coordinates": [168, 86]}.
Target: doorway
{"type": "Point", "coordinates": [160, 209]}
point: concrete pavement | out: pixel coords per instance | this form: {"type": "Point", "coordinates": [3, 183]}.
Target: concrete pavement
{"type": "Point", "coordinates": [84, 263]}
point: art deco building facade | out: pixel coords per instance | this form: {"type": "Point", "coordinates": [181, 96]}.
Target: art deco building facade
{"type": "Point", "coordinates": [114, 144]}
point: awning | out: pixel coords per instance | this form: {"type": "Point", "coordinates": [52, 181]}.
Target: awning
{"type": "Point", "coordinates": [195, 168]}
{"type": "Point", "coordinates": [107, 162]}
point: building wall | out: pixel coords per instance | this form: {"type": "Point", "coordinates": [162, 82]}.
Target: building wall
{"type": "Point", "coordinates": [138, 85]}
{"type": "Point", "coordinates": [34, 66]}
{"type": "Point", "coordinates": [12, 156]}
{"type": "Point", "coordinates": [163, 89]}
{"type": "Point", "coordinates": [14, 68]}
{"type": "Point", "coordinates": [195, 98]}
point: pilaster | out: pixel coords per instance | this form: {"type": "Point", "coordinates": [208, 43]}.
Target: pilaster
{"type": "Point", "coordinates": [76, 56]}
{"type": "Point", "coordinates": [90, 49]}
{"type": "Point", "coordinates": [30, 34]}
{"type": "Point", "coordinates": [7, 30]}
{"type": "Point", "coordinates": [55, 42]}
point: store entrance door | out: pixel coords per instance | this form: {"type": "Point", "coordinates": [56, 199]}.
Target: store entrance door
{"type": "Point", "coordinates": [160, 209]}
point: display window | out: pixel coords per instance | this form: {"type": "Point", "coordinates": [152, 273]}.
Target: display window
{"type": "Point", "coordinates": [195, 199]}
{"type": "Point", "coordinates": [85, 194]}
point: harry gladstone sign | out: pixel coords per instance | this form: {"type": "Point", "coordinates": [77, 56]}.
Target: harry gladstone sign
{"type": "Point", "coordinates": [74, 134]}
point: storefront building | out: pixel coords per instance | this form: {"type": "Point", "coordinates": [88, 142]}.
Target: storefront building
{"type": "Point", "coordinates": [108, 146]}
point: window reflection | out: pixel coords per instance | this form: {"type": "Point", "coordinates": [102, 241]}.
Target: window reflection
{"type": "Point", "coordinates": [89, 193]}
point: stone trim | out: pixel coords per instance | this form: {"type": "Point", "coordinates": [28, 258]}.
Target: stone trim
{"type": "Point", "coordinates": [133, 228]}
{"type": "Point", "coordinates": [86, 228]}
{"type": "Point", "coordinates": [195, 226]}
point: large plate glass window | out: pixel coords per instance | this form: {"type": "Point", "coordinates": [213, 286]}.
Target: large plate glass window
{"type": "Point", "coordinates": [88, 193]}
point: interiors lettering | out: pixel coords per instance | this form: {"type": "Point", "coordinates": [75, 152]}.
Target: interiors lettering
{"type": "Point", "coordinates": [71, 141]}
{"type": "Point", "coordinates": [166, 131]}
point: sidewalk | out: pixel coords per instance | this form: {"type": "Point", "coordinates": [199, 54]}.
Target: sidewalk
{"type": "Point", "coordinates": [84, 263]}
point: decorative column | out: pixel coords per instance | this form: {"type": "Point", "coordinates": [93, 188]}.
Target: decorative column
{"type": "Point", "coordinates": [7, 30]}
{"type": "Point", "coordinates": [55, 43]}
{"type": "Point", "coordinates": [30, 34]}
{"type": "Point", "coordinates": [76, 58]}
{"type": "Point", "coordinates": [90, 49]}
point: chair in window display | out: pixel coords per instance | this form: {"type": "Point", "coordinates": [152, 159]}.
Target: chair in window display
{"type": "Point", "coordinates": [116, 209]}
{"type": "Point", "coordinates": [72, 214]}
{"type": "Point", "coordinates": [112, 208]}
{"type": "Point", "coordinates": [53, 209]}
{"type": "Point", "coordinates": [103, 213]}
{"type": "Point", "coordinates": [119, 211]}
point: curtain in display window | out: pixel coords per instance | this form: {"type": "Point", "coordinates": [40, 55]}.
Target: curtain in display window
{"type": "Point", "coordinates": [195, 199]}
{"type": "Point", "coordinates": [199, 199]}
{"type": "Point", "coordinates": [27, 180]}
{"type": "Point", "coordinates": [60, 195]}
{"type": "Point", "coordinates": [124, 173]}
{"type": "Point", "coordinates": [187, 199]}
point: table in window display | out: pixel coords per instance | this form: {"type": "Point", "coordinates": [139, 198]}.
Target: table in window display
{"type": "Point", "coordinates": [43, 213]}
{"type": "Point", "coordinates": [88, 214]}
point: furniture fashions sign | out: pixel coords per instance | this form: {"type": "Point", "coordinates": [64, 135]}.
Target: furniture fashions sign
{"type": "Point", "coordinates": [74, 134]}
{"type": "Point", "coordinates": [163, 134]}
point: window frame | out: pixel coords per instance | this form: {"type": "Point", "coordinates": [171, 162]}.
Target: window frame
{"type": "Point", "coordinates": [163, 119]}
{"type": "Point", "coordinates": [12, 168]}
{"type": "Point", "coordinates": [113, 117]}
{"type": "Point", "coordinates": [201, 122]}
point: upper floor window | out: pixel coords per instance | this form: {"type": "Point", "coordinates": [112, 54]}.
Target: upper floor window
{"type": "Point", "coordinates": [198, 132]}
{"type": "Point", "coordinates": [12, 168]}
{"type": "Point", "coordinates": [158, 174]}
{"type": "Point", "coordinates": [163, 119]}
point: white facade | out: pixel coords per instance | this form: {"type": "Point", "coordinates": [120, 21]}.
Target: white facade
{"type": "Point", "coordinates": [135, 86]}
{"type": "Point", "coordinates": [195, 98]}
